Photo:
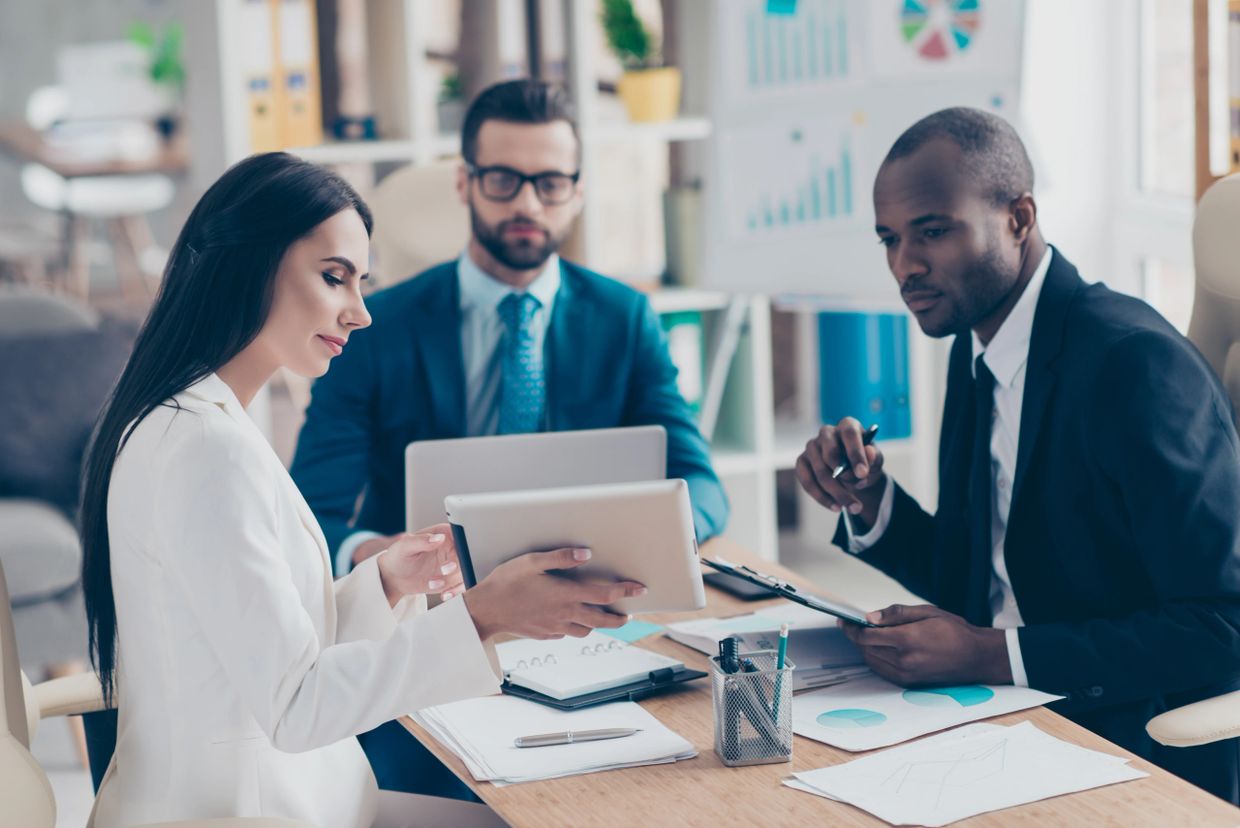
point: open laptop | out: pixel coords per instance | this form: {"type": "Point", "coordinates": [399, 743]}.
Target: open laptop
{"type": "Point", "coordinates": [435, 469]}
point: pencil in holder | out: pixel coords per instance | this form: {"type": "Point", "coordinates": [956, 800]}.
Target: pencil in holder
{"type": "Point", "coordinates": [753, 710]}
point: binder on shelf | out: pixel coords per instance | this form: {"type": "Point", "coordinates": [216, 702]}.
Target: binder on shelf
{"type": "Point", "coordinates": [258, 53]}
{"type": "Point", "coordinates": [300, 107]}
{"type": "Point", "coordinates": [1233, 80]}
{"type": "Point", "coordinates": [686, 346]}
{"type": "Point", "coordinates": [864, 370]}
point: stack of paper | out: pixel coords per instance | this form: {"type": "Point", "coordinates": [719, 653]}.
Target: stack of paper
{"type": "Point", "coordinates": [823, 655]}
{"type": "Point", "coordinates": [570, 667]}
{"type": "Point", "coordinates": [482, 731]}
{"type": "Point", "coordinates": [869, 712]}
{"type": "Point", "coordinates": [964, 772]}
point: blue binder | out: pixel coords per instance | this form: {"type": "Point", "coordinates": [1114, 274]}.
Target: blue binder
{"type": "Point", "coordinates": [864, 370]}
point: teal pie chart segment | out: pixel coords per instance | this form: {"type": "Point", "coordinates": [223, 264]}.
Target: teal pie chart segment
{"type": "Point", "coordinates": [850, 718]}
{"type": "Point", "coordinates": [966, 695]}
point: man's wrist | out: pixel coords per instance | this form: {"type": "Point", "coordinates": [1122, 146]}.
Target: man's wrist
{"type": "Point", "coordinates": [871, 502]}
{"type": "Point", "coordinates": [995, 667]}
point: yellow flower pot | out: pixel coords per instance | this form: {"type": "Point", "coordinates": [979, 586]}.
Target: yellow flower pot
{"type": "Point", "coordinates": [651, 94]}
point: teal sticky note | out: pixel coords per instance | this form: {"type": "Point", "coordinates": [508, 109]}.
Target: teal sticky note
{"type": "Point", "coordinates": [781, 6]}
{"type": "Point", "coordinates": [633, 631]}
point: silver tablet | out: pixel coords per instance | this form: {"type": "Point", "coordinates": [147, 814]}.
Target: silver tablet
{"type": "Point", "coordinates": [637, 531]}
{"type": "Point", "coordinates": [435, 469]}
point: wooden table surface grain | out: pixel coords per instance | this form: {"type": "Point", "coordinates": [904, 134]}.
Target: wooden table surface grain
{"type": "Point", "coordinates": [702, 791]}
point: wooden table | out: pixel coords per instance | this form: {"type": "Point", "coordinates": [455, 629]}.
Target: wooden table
{"type": "Point", "coordinates": [26, 144]}
{"type": "Point", "coordinates": [702, 791]}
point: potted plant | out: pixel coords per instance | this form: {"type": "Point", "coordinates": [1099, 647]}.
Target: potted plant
{"type": "Point", "coordinates": [650, 91]}
{"type": "Point", "coordinates": [167, 68]}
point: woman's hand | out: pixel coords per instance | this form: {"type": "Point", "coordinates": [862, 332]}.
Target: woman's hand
{"type": "Point", "coordinates": [525, 597]}
{"type": "Point", "coordinates": [421, 563]}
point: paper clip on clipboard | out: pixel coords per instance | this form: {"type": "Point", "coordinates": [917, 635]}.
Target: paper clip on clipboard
{"type": "Point", "coordinates": [787, 590]}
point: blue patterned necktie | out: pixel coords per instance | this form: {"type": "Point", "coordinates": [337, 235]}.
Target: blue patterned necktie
{"type": "Point", "coordinates": [523, 387]}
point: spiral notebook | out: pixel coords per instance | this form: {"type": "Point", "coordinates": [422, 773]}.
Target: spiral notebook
{"type": "Point", "coordinates": [571, 667]}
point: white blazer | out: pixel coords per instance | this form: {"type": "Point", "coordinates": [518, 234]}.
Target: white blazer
{"type": "Point", "coordinates": [244, 671]}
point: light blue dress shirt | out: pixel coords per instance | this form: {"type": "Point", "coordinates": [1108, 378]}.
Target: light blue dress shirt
{"type": "Point", "coordinates": [482, 334]}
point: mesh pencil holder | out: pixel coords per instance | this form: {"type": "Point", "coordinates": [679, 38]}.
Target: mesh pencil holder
{"type": "Point", "coordinates": [753, 710]}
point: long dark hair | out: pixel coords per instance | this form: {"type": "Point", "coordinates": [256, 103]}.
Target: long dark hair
{"type": "Point", "coordinates": [214, 298]}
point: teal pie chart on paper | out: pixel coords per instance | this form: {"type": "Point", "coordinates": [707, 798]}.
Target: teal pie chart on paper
{"type": "Point", "coordinates": [849, 718]}
{"type": "Point", "coordinates": [964, 696]}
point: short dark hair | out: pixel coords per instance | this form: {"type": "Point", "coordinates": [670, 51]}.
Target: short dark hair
{"type": "Point", "coordinates": [522, 101]}
{"type": "Point", "coordinates": [993, 153]}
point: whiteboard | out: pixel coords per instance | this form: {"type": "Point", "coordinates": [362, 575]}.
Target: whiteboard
{"type": "Point", "coordinates": [806, 99]}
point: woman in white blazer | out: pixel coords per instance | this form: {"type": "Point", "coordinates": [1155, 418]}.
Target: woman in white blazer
{"type": "Point", "coordinates": [241, 670]}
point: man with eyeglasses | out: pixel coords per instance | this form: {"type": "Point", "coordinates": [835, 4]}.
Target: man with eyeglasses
{"type": "Point", "coordinates": [509, 338]}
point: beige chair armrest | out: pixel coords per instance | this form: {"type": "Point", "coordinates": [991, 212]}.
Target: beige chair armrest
{"type": "Point", "coordinates": [232, 822]}
{"type": "Point", "coordinates": [1199, 723]}
{"type": "Point", "coordinates": [68, 696]}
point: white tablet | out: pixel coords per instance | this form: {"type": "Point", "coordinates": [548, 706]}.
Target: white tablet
{"type": "Point", "coordinates": [637, 531]}
{"type": "Point", "coordinates": [435, 469]}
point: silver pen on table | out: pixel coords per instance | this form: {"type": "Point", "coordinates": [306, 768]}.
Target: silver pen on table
{"type": "Point", "coordinates": [567, 737]}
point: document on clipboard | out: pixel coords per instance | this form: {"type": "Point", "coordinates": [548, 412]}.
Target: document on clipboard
{"type": "Point", "coordinates": [783, 589]}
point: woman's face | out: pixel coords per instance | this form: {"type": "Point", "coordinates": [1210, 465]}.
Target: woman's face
{"type": "Point", "coordinates": [318, 299]}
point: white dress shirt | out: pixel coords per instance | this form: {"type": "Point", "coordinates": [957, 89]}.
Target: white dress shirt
{"type": "Point", "coordinates": [482, 333]}
{"type": "Point", "coordinates": [244, 671]}
{"type": "Point", "coordinates": [1006, 355]}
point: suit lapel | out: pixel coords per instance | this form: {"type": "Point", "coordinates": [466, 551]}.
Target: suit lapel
{"type": "Point", "coordinates": [567, 335]}
{"type": "Point", "coordinates": [437, 332]}
{"type": "Point", "coordinates": [1045, 343]}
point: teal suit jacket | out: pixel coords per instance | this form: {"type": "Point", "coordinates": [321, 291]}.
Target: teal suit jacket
{"type": "Point", "coordinates": [403, 379]}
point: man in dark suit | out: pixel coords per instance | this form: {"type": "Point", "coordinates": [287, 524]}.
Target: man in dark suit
{"type": "Point", "coordinates": [508, 338]}
{"type": "Point", "coordinates": [1087, 536]}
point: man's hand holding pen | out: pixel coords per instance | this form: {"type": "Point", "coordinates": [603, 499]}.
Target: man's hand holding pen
{"type": "Point", "coordinates": [859, 486]}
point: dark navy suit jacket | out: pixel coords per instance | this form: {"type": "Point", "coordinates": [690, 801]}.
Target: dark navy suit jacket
{"type": "Point", "coordinates": [402, 379]}
{"type": "Point", "coordinates": [1123, 539]}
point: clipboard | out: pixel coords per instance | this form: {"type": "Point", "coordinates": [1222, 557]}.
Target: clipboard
{"type": "Point", "coordinates": [786, 590]}
{"type": "Point", "coordinates": [656, 681]}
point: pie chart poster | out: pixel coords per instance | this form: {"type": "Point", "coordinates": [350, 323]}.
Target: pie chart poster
{"type": "Point", "coordinates": [922, 39]}
{"type": "Point", "coordinates": [870, 712]}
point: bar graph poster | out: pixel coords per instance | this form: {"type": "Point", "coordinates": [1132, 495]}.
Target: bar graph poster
{"type": "Point", "coordinates": [925, 38]}
{"type": "Point", "coordinates": [786, 48]}
{"type": "Point", "coordinates": [805, 98]}
{"type": "Point", "coordinates": [797, 178]}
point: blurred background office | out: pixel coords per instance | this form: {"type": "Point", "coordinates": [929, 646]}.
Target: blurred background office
{"type": "Point", "coordinates": [728, 152]}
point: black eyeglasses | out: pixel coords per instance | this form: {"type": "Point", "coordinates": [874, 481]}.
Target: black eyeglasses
{"type": "Point", "coordinates": [503, 184]}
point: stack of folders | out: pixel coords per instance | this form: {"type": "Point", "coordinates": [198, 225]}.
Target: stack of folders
{"type": "Point", "coordinates": [816, 645]}
{"type": "Point", "coordinates": [569, 667]}
{"type": "Point", "coordinates": [482, 733]}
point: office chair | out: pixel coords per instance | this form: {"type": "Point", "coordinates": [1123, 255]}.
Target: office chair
{"type": "Point", "coordinates": [1215, 330]}
{"type": "Point", "coordinates": [419, 221]}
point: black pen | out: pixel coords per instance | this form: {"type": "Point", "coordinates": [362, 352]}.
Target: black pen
{"type": "Point", "coordinates": [866, 438]}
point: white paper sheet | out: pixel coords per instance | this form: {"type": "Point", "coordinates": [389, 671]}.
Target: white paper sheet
{"type": "Point", "coordinates": [869, 712]}
{"type": "Point", "coordinates": [965, 772]}
{"type": "Point", "coordinates": [481, 733]}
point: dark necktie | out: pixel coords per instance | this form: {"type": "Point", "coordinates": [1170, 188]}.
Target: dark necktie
{"type": "Point", "coordinates": [980, 547]}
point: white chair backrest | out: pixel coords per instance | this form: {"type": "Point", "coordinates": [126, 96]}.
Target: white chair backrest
{"type": "Point", "coordinates": [419, 221]}
{"type": "Point", "coordinates": [1215, 324]}
{"type": "Point", "coordinates": [25, 792]}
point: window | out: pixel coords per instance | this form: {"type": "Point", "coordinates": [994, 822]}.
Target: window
{"type": "Point", "coordinates": [1169, 289]}
{"type": "Point", "coordinates": [1165, 134]}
